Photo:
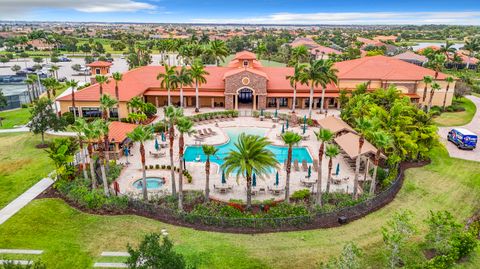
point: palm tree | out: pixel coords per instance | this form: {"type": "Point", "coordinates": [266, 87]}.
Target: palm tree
{"type": "Point", "coordinates": [382, 140]}
{"type": "Point", "coordinates": [173, 114]}
{"type": "Point", "coordinates": [73, 84]}
{"type": "Point", "coordinates": [31, 81]}
{"type": "Point", "coordinates": [219, 50]}
{"type": "Point", "coordinates": [79, 127]}
{"type": "Point", "coordinates": [294, 79]}
{"type": "Point", "coordinates": [472, 45]}
{"type": "Point", "coordinates": [437, 63]}
{"type": "Point", "coordinates": [363, 126]}
{"type": "Point", "coordinates": [184, 126]}
{"type": "Point", "coordinates": [434, 87]}
{"type": "Point", "coordinates": [318, 72]}
{"type": "Point", "coordinates": [91, 132]}
{"type": "Point", "coordinates": [289, 138]}
{"type": "Point", "coordinates": [102, 127]}
{"type": "Point", "coordinates": [182, 77]}
{"type": "Point", "coordinates": [54, 70]}
{"type": "Point", "coordinates": [135, 104]}
{"type": "Point", "coordinates": [117, 77]}
{"type": "Point", "coordinates": [167, 80]}
{"type": "Point", "coordinates": [198, 73]}
{"type": "Point", "coordinates": [324, 136]}
{"type": "Point", "coordinates": [101, 80]}
{"type": "Point", "coordinates": [449, 81]}
{"type": "Point", "coordinates": [141, 134]}
{"type": "Point", "coordinates": [106, 104]}
{"type": "Point", "coordinates": [208, 150]}
{"type": "Point", "coordinates": [331, 152]}
{"type": "Point", "coordinates": [50, 85]}
{"type": "Point", "coordinates": [426, 80]}
{"type": "Point", "coordinates": [299, 54]}
{"type": "Point", "coordinates": [249, 157]}
{"type": "Point", "coordinates": [447, 49]}
{"type": "Point", "coordinates": [31, 89]}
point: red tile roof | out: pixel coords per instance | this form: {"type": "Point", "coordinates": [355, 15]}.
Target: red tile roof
{"type": "Point", "coordinates": [118, 130]}
{"type": "Point", "coordinates": [382, 68]}
{"type": "Point", "coordinates": [245, 55]}
{"type": "Point", "coordinates": [99, 64]}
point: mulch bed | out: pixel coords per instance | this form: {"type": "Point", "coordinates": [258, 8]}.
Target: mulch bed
{"type": "Point", "coordinates": [325, 221]}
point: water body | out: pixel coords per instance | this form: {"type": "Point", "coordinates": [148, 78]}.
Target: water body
{"type": "Point", "coordinates": [422, 45]}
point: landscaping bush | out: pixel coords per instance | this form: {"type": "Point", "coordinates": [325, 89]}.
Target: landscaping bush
{"type": "Point", "coordinates": [300, 194]}
{"type": "Point", "coordinates": [68, 117]}
{"type": "Point", "coordinates": [160, 126]}
{"type": "Point", "coordinates": [149, 109]}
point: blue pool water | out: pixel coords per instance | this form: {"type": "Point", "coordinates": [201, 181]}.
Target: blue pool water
{"type": "Point", "coordinates": [299, 153]}
{"type": "Point", "coordinates": [153, 183]}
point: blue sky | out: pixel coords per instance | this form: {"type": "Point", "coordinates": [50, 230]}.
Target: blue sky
{"type": "Point", "coordinates": [247, 11]}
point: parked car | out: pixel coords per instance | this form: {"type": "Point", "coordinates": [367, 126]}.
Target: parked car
{"type": "Point", "coordinates": [64, 59]}
{"type": "Point", "coordinates": [462, 138]}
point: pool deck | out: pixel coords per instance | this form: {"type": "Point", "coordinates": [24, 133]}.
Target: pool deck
{"type": "Point", "coordinates": [133, 170]}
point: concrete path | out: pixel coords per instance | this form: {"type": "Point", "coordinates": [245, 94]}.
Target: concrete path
{"type": "Point", "coordinates": [110, 265]}
{"type": "Point", "coordinates": [13, 207]}
{"type": "Point", "coordinates": [474, 126]}
{"type": "Point", "coordinates": [21, 251]}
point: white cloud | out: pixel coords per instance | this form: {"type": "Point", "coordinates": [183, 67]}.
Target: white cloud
{"type": "Point", "coordinates": [464, 18]}
{"type": "Point", "coordinates": [16, 8]}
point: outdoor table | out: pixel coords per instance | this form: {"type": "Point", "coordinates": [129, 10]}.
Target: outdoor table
{"type": "Point", "coordinates": [224, 188]}
{"type": "Point", "coordinates": [308, 183]}
{"type": "Point", "coordinates": [163, 145]}
{"type": "Point", "coordinates": [261, 118]}
{"type": "Point", "coordinates": [275, 119]}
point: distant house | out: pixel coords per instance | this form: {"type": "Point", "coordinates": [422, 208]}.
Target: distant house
{"type": "Point", "coordinates": [316, 50]}
{"type": "Point", "coordinates": [390, 50]}
{"type": "Point", "coordinates": [382, 38]}
{"type": "Point", "coordinates": [412, 57]}
{"type": "Point", "coordinates": [39, 44]}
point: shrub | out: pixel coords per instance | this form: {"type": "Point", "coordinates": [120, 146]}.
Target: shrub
{"type": "Point", "coordinates": [301, 194]}
{"type": "Point", "coordinates": [68, 117]}
{"type": "Point", "coordinates": [149, 109]}
{"type": "Point", "coordinates": [157, 166]}
{"type": "Point", "coordinates": [160, 126]}
{"type": "Point", "coordinates": [150, 166]}
{"type": "Point", "coordinates": [310, 122]}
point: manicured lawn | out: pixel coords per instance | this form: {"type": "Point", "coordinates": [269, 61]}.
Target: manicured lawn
{"type": "Point", "coordinates": [21, 164]}
{"type": "Point", "coordinates": [73, 239]}
{"type": "Point", "coordinates": [14, 117]}
{"type": "Point", "coordinates": [265, 63]}
{"type": "Point", "coordinates": [457, 118]}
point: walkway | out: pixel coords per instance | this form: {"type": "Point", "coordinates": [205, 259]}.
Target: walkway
{"type": "Point", "coordinates": [474, 126]}
{"type": "Point", "coordinates": [13, 207]}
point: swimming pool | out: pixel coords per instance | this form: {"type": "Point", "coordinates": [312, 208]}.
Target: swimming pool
{"type": "Point", "coordinates": [298, 153]}
{"type": "Point", "coordinates": [153, 183]}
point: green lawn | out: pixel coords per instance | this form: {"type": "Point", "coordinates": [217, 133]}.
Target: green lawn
{"type": "Point", "coordinates": [14, 117]}
{"type": "Point", "coordinates": [265, 63]}
{"type": "Point", "coordinates": [21, 164]}
{"type": "Point", "coordinates": [72, 239]}
{"type": "Point", "coordinates": [457, 118]}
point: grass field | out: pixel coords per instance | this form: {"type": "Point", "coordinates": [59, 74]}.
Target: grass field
{"type": "Point", "coordinates": [14, 117]}
{"type": "Point", "coordinates": [72, 239]}
{"type": "Point", "coordinates": [457, 118]}
{"type": "Point", "coordinates": [265, 63]}
{"type": "Point", "coordinates": [21, 164]}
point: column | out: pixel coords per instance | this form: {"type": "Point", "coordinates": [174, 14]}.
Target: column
{"type": "Point", "coordinates": [277, 103]}
{"type": "Point", "coordinates": [315, 103]}
{"type": "Point", "coordinates": [236, 101]}
{"type": "Point", "coordinates": [254, 102]}
{"type": "Point", "coordinates": [213, 102]}
{"type": "Point", "coordinates": [156, 101]}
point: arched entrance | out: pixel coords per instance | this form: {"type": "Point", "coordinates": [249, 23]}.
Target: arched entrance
{"type": "Point", "coordinates": [245, 99]}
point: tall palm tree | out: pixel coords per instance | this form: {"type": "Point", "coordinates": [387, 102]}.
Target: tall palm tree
{"type": "Point", "coordinates": [50, 85]}
{"type": "Point", "coordinates": [31, 88]}
{"type": "Point", "coordinates": [54, 70]}
{"type": "Point", "coordinates": [426, 81]}
{"type": "Point", "coordinates": [106, 104]}
{"type": "Point", "coordinates": [363, 126]}
{"type": "Point", "coordinates": [117, 77]}
{"type": "Point", "coordinates": [32, 80]}
{"type": "Point", "coordinates": [91, 133]}
{"type": "Point", "coordinates": [73, 84]}
{"type": "Point", "coordinates": [198, 73]}
{"type": "Point", "coordinates": [182, 77]}
{"type": "Point", "coordinates": [102, 127]}
{"type": "Point", "coordinates": [433, 88]}
{"type": "Point", "coordinates": [289, 138]}
{"type": "Point", "coordinates": [79, 127]}
{"type": "Point", "coordinates": [318, 72]}
{"type": "Point", "coordinates": [299, 54]}
{"type": "Point", "coordinates": [135, 104]}
{"type": "Point", "coordinates": [294, 80]}
{"type": "Point", "coordinates": [208, 150]}
{"type": "Point", "coordinates": [382, 140]}
{"type": "Point", "coordinates": [141, 134]}
{"type": "Point", "coordinates": [449, 81]}
{"type": "Point", "coordinates": [472, 45]}
{"type": "Point", "coordinates": [447, 49]}
{"type": "Point", "coordinates": [249, 157]}
{"type": "Point", "coordinates": [219, 50]}
{"type": "Point", "coordinates": [331, 152]}
{"type": "Point", "coordinates": [324, 136]}
{"type": "Point", "coordinates": [101, 80]}
{"type": "Point", "coordinates": [437, 63]}
{"type": "Point", "coordinates": [173, 114]}
{"type": "Point", "coordinates": [184, 126]}
{"type": "Point", "coordinates": [167, 80]}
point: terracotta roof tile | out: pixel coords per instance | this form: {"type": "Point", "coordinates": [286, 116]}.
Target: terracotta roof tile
{"type": "Point", "coordinates": [99, 64]}
{"type": "Point", "coordinates": [118, 130]}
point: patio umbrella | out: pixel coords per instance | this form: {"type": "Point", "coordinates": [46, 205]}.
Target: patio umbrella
{"type": "Point", "coordinates": [126, 151]}
{"type": "Point", "coordinates": [157, 146]}
{"type": "Point", "coordinates": [276, 113]}
{"type": "Point", "coordinates": [304, 119]}
{"type": "Point", "coordinates": [286, 124]}
{"type": "Point", "coordinates": [309, 172]}
{"type": "Point", "coordinates": [254, 180]}
{"type": "Point", "coordinates": [163, 137]}
{"type": "Point", "coordinates": [261, 112]}
{"type": "Point", "coordinates": [223, 178]}
{"type": "Point", "coordinates": [337, 170]}
{"type": "Point", "coordinates": [304, 128]}
{"type": "Point", "coordinates": [283, 128]}
{"type": "Point", "coordinates": [184, 164]}
{"type": "Point", "coordinates": [277, 179]}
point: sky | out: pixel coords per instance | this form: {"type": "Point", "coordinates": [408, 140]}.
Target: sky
{"type": "Point", "coordinates": [462, 12]}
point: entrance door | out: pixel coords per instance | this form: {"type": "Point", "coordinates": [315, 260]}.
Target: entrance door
{"type": "Point", "coordinates": [245, 96]}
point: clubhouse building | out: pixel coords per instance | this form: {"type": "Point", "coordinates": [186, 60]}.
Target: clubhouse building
{"type": "Point", "coordinates": [246, 84]}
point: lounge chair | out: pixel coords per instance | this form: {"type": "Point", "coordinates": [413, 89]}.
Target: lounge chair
{"type": "Point", "coordinates": [304, 166]}
{"type": "Point", "coordinates": [210, 131]}
{"type": "Point", "coordinates": [197, 137]}
{"type": "Point", "coordinates": [295, 165]}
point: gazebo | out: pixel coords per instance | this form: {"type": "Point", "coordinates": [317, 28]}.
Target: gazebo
{"type": "Point", "coordinates": [117, 133]}
{"type": "Point", "coordinates": [336, 125]}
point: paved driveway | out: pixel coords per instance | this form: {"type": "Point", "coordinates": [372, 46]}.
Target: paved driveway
{"type": "Point", "coordinates": [473, 126]}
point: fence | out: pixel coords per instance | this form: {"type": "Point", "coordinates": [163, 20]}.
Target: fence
{"type": "Point", "coordinates": [258, 225]}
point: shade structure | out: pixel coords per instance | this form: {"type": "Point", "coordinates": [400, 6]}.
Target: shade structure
{"type": "Point", "coordinates": [277, 179]}
{"type": "Point", "coordinates": [157, 146]}
{"type": "Point", "coordinates": [223, 178]}
{"type": "Point", "coordinates": [286, 124]}
{"type": "Point", "coordinates": [337, 170]}
{"type": "Point", "coordinates": [283, 128]}
{"type": "Point", "coordinates": [309, 172]}
{"type": "Point", "coordinates": [163, 137]}
{"type": "Point", "coordinates": [254, 180]}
